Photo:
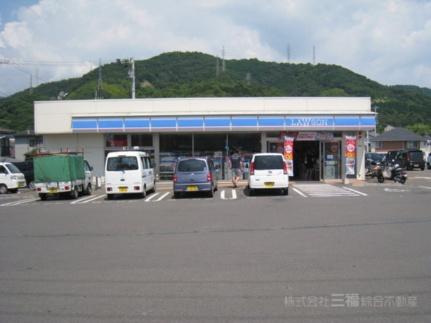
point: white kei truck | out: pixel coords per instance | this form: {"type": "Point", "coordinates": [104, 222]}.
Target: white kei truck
{"type": "Point", "coordinates": [11, 178]}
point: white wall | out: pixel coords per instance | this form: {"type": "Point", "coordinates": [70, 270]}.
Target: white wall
{"type": "Point", "coordinates": [91, 144]}
{"type": "Point", "coordinates": [21, 149]}
{"type": "Point", "coordinates": [56, 116]}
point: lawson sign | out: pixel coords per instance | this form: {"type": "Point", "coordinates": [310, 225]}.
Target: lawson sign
{"type": "Point", "coordinates": [222, 123]}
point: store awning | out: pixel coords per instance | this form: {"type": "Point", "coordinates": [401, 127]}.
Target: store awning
{"type": "Point", "coordinates": [223, 123]}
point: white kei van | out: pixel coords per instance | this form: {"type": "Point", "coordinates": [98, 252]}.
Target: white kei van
{"type": "Point", "coordinates": [129, 172]}
{"type": "Point", "coordinates": [268, 171]}
{"type": "Point", "coordinates": [11, 178]}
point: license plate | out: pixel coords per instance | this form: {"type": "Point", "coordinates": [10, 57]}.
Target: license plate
{"type": "Point", "coordinates": [52, 190]}
{"type": "Point", "coordinates": [268, 184]}
{"type": "Point", "coordinates": [122, 189]}
{"type": "Point", "coordinates": [193, 188]}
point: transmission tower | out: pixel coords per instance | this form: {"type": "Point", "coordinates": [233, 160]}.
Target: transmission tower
{"type": "Point", "coordinates": [223, 64]}
{"type": "Point", "coordinates": [99, 82]}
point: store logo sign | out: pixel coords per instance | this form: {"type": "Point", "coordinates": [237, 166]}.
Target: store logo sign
{"type": "Point", "coordinates": [310, 122]}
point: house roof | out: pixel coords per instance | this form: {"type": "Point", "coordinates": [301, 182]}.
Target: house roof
{"type": "Point", "coordinates": [6, 131]}
{"type": "Point", "coordinates": [398, 134]}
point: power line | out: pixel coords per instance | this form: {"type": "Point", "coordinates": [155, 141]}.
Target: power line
{"type": "Point", "coordinates": [7, 61]}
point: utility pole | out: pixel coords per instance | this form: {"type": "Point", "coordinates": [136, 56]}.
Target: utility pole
{"type": "Point", "coordinates": [288, 53]}
{"type": "Point", "coordinates": [217, 67]}
{"type": "Point", "coordinates": [31, 83]}
{"type": "Point", "coordinates": [314, 55]}
{"type": "Point", "coordinates": [132, 76]}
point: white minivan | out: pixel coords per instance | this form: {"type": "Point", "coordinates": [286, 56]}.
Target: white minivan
{"type": "Point", "coordinates": [268, 171]}
{"type": "Point", "coordinates": [11, 178]}
{"type": "Point", "coordinates": [129, 172]}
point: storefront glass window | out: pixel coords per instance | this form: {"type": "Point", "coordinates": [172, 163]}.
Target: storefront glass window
{"type": "Point", "coordinates": [115, 141]}
{"type": "Point", "coordinates": [246, 144]}
{"type": "Point", "coordinates": [171, 148]}
{"type": "Point", "coordinates": [140, 140]}
{"type": "Point", "coordinates": [212, 146]}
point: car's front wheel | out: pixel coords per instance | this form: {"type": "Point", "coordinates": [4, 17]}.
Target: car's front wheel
{"type": "Point", "coordinates": [3, 189]}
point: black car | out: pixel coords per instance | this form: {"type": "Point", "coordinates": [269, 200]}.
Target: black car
{"type": "Point", "coordinates": [373, 159]}
{"type": "Point", "coordinates": [26, 168]}
{"type": "Point", "coordinates": [411, 158]}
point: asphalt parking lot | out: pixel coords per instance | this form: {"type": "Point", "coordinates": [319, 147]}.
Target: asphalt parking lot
{"type": "Point", "coordinates": [324, 253]}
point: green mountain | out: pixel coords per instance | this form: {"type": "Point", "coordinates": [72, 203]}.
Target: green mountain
{"type": "Point", "coordinates": [194, 74]}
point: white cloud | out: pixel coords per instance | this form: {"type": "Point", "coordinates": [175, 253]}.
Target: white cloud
{"type": "Point", "coordinates": [388, 40]}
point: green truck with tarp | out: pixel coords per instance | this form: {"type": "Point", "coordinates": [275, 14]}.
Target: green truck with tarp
{"type": "Point", "coordinates": [62, 174]}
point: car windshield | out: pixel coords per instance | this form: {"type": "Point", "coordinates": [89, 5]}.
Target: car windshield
{"type": "Point", "coordinates": [122, 163]}
{"type": "Point", "coordinates": [375, 157]}
{"type": "Point", "coordinates": [268, 162]}
{"type": "Point", "coordinates": [191, 165]}
{"type": "Point", "coordinates": [417, 155]}
{"type": "Point", "coordinates": [12, 168]}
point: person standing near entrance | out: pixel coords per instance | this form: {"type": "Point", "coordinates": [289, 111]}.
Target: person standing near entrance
{"type": "Point", "coordinates": [236, 165]}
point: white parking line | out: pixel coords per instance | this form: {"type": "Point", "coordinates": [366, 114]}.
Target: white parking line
{"type": "Point", "coordinates": [82, 199]}
{"type": "Point", "coordinates": [299, 192]}
{"type": "Point", "coordinates": [234, 195]}
{"type": "Point", "coordinates": [223, 195]}
{"type": "Point", "coordinates": [162, 197]}
{"type": "Point", "coordinates": [425, 187]}
{"type": "Point", "coordinates": [149, 198]}
{"type": "Point", "coordinates": [18, 202]}
{"type": "Point", "coordinates": [93, 199]}
{"type": "Point", "coordinates": [354, 191]}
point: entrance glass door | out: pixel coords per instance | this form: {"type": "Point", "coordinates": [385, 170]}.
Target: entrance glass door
{"type": "Point", "coordinates": [331, 159]}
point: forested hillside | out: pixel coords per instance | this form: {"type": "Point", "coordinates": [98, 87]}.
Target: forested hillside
{"type": "Point", "coordinates": [180, 74]}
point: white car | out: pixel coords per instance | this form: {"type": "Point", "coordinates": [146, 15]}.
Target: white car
{"type": "Point", "coordinates": [268, 171]}
{"type": "Point", "coordinates": [429, 161]}
{"type": "Point", "coordinates": [11, 178]}
{"type": "Point", "coordinates": [129, 172]}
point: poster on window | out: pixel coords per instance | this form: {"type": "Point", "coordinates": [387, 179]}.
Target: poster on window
{"type": "Point", "coordinates": [288, 153]}
{"type": "Point", "coordinates": [350, 155]}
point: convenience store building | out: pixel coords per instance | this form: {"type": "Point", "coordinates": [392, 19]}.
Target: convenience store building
{"type": "Point", "coordinates": [324, 138]}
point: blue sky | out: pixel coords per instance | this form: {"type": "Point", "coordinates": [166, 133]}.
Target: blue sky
{"type": "Point", "coordinates": [388, 40]}
{"type": "Point", "coordinates": [9, 9]}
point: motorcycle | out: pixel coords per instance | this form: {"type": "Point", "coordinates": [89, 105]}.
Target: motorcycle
{"type": "Point", "coordinates": [395, 172]}
{"type": "Point", "coordinates": [375, 171]}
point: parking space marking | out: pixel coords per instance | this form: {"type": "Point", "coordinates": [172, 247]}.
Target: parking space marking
{"type": "Point", "coordinates": [162, 197]}
{"type": "Point", "coordinates": [395, 190]}
{"type": "Point", "coordinates": [299, 192]}
{"type": "Point", "coordinates": [82, 199]}
{"type": "Point", "coordinates": [93, 199]}
{"type": "Point", "coordinates": [234, 195]}
{"type": "Point", "coordinates": [223, 195]}
{"type": "Point", "coordinates": [355, 191]}
{"type": "Point", "coordinates": [14, 203]}
{"type": "Point", "coordinates": [327, 190]}
{"type": "Point", "coordinates": [149, 198]}
{"type": "Point", "coordinates": [425, 187]}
